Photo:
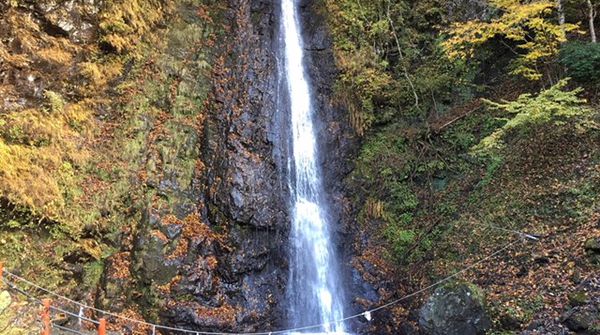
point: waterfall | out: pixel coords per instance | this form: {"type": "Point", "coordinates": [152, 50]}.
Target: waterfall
{"type": "Point", "coordinates": [314, 289]}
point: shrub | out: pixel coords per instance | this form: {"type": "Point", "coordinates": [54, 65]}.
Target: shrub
{"type": "Point", "coordinates": [582, 60]}
{"type": "Point", "coordinates": [552, 106]}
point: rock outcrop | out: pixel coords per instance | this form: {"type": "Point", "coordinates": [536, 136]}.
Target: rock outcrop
{"type": "Point", "coordinates": [455, 309]}
{"type": "Point", "coordinates": [215, 256]}
{"type": "Point", "coordinates": [592, 250]}
{"type": "Point", "coordinates": [583, 320]}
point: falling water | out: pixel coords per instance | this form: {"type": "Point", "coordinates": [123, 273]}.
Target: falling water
{"type": "Point", "coordinates": [314, 288]}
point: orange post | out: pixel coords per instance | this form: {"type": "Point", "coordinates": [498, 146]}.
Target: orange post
{"type": "Point", "coordinates": [46, 317]}
{"type": "Point", "coordinates": [1, 272]}
{"type": "Point", "coordinates": [102, 327]}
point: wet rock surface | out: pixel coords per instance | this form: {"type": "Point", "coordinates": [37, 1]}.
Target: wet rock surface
{"type": "Point", "coordinates": [244, 193]}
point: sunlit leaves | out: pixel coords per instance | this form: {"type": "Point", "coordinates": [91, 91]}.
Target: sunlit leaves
{"type": "Point", "coordinates": [554, 105]}
{"type": "Point", "coordinates": [528, 25]}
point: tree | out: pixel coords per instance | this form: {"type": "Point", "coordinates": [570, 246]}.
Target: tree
{"type": "Point", "coordinates": [592, 17]}
{"type": "Point", "coordinates": [528, 24]}
{"type": "Point", "coordinates": [561, 12]}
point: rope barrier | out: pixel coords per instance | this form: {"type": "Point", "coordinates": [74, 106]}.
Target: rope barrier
{"type": "Point", "coordinates": [51, 307]}
{"type": "Point", "coordinates": [366, 314]}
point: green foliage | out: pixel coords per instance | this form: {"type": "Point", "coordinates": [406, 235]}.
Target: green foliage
{"type": "Point", "coordinates": [494, 162]}
{"type": "Point", "coordinates": [402, 200]}
{"type": "Point", "coordinates": [29, 252]}
{"type": "Point", "coordinates": [400, 238]}
{"type": "Point", "coordinates": [434, 175]}
{"type": "Point", "coordinates": [392, 64]}
{"type": "Point", "coordinates": [398, 215]}
{"type": "Point", "coordinates": [40, 152]}
{"type": "Point", "coordinates": [92, 272]}
{"type": "Point", "coordinates": [582, 61]}
{"type": "Point", "coordinates": [65, 170]}
{"type": "Point", "coordinates": [553, 105]}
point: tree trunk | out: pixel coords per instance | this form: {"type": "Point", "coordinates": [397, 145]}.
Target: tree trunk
{"type": "Point", "coordinates": [592, 17]}
{"type": "Point", "coordinates": [561, 13]}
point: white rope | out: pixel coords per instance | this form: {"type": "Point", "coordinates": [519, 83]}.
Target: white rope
{"type": "Point", "coordinates": [366, 314]}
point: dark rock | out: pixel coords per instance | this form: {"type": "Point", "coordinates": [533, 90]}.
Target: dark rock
{"type": "Point", "coordinates": [407, 328]}
{"type": "Point", "coordinates": [583, 320]}
{"type": "Point", "coordinates": [232, 261]}
{"type": "Point", "coordinates": [533, 325]}
{"type": "Point", "coordinates": [578, 298]}
{"type": "Point", "coordinates": [510, 321]}
{"type": "Point", "coordinates": [592, 249]}
{"type": "Point", "coordinates": [541, 259]}
{"type": "Point", "coordinates": [116, 284]}
{"type": "Point", "coordinates": [173, 231]}
{"type": "Point", "coordinates": [151, 264]}
{"type": "Point", "coordinates": [455, 309]}
{"type": "Point", "coordinates": [592, 245]}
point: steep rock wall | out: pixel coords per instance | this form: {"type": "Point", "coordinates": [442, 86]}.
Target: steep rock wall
{"type": "Point", "coordinates": [214, 257]}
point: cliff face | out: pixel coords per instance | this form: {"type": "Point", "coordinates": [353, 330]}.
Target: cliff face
{"type": "Point", "coordinates": [245, 161]}
{"type": "Point", "coordinates": [181, 204]}
{"type": "Point", "coordinates": [235, 278]}
{"type": "Point", "coordinates": [214, 257]}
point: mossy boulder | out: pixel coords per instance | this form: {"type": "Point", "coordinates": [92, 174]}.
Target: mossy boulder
{"type": "Point", "coordinates": [592, 249]}
{"type": "Point", "coordinates": [455, 309]}
{"type": "Point", "coordinates": [578, 298]}
{"type": "Point", "coordinates": [592, 245]}
{"type": "Point", "coordinates": [583, 320]}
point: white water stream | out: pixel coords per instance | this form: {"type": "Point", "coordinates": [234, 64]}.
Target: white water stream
{"type": "Point", "coordinates": [314, 289]}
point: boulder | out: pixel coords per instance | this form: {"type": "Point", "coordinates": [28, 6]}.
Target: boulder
{"type": "Point", "coordinates": [592, 250]}
{"type": "Point", "coordinates": [583, 320]}
{"type": "Point", "coordinates": [592, 245]}
{"type": "Point", "coordinates": [455, 309]}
